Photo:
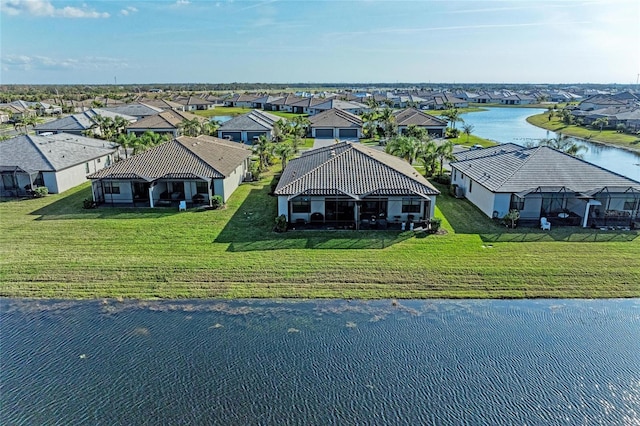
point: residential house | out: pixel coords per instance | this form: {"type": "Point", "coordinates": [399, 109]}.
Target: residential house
{"type": "Point", "coordinates": [242, 100]}
{"type": "Point", "coordinates": [304, 105]}
{"type": "Point", "coordinates": [518, 99]}
{"type": "Point", "coordinates": [138, 110]}
{"type": "Point", "coordinates": [194, 103]}
{"type": "Point", "coordinates": [59, 162]}
{"type": "Point", "coordinates": [544, 182]}
{"type": "Point", "coordinates": [165, 122]}
{"type": "Point", "coordinates": [350, 184]}
{"type": "Point", "coordinates": [78, 123]}
{"type": "Point", "coordinates": [183, 169]}
{"type": "Point", "coordinates": [352, 107]}
{"type": "Point", "coordinates": [411, 116]}
{"type": "Point", "coordinates": [336, 123]}
{"type": "Point", "coordinates": [247, 127]}
{"type": "Point", "coordinates": [265, 102]}
{"type": "Point", "coordinates": [163, 104]}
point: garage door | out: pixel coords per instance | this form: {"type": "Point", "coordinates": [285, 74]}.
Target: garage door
{"type": "Point", "coordinates": [254, 135]}
{"type": "Point", "coordinates": [348, 133]}
{"type": "Point", "coordinates": [234, 136]}
{"type": "Point", "coordinates": [324, 133]}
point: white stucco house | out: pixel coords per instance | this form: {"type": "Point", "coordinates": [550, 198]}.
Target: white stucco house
{"type": "Point", "coordinates": [186, 169]}
{"type": "Point", "coordinates": [544, 182]}
{"type": "Point", "coordinates": [336, 124]}
{"type": "Point", "coordinates": [353, 185]}
{"type": "Point", "coordinates": [246, 127]}
{"type": "Point", "coordinates": [59, 161]}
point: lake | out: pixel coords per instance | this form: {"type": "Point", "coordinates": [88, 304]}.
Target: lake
{"type": "Point", "coordinates": [320, 362]}
{"type": "Point", "coordinates": [510, 125]}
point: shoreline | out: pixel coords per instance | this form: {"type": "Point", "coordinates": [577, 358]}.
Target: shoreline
{"type": "Point", "coordinates": [635, 150]}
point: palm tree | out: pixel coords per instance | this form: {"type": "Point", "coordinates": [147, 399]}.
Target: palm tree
{"type": "Point", "coordinates": [453, 116]}
{"type": "Point", "coordinates": [120, 126]}
{"type": "Point", "coordinates": [147, 140]}
{"type": "Point", "coordinates": [429, 155]}
{"type": "Point", "coordinates": [404, 147]}
{"type": "Point", "coordinates": [370, 122]}
{"type": "Point", "coordinates": [285, 152]}
{"type": "Point", "coordinates": [600, 122]}
{"type": "Point", "coordinates": [263, 148]}
{"type": "Point", "coordinates": [417, 132]}
{"type": "Point", "coordinates": [388, 121]}
{"type": "Point", "coordinates": [127, 141]}
{"type": "Point", "coordinates": [467, 129]}
{"type": "Point", "coordinates": [445, 152]}
{"type": "Point", "coordinates": [298, 129]}
{"type": "Point", "coordinates": [565, 144]}
{"type": "Point", "coordinates": [191, 127]}
{"type": "Point", "coordinates": [280, 130]}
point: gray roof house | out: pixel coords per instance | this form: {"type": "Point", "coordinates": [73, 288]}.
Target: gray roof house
{"type": "Point", "coordinates": [247, 127]}
{"type": "Point", "coordinates": [186, 169]}
{"type": "Point", "coordinates": [137, 110]}
{"type": "Point", "coordinates": [78, 123]}
{"type": "Point", "coordinates": [165, 122]}
{"type": "Point", "coordinates": [336, 124]}
{"type": "Point", "coordinates": [352, 185]}
{"type": "Point", "coordinates": [544, 182]}
{"type": "Point", "coordinates": [413, 117]}
{"type": "Point", "coordinates": [59, 162]}
{"type": "Point", "coordinates": [352, 107]}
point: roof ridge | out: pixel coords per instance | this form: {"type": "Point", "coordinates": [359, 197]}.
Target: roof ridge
{"type": "Point", "coordinates": [196, 154]}
{"type": "Point", "coordinates": [360, 150]}
{"type": "Point", "coordinates": [325, 148]}
{"type": "Point", "coordinates": [39, 149]}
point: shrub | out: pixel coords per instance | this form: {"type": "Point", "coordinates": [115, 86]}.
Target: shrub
{"type": "Point", "coordinates": [217, 202]}
{"type": "Point", "coordinates": [88, 203]}
{"type": "Point", "coordinates": [281, 223]}
{"type": "Point", "coordinates": [443, 179]}
{"type": "Point", "coordinates": [511, 218]}
{"type": "Point", "coordinates": [434, 224]}
{"type": "Point", "coordinates": [41, 191]}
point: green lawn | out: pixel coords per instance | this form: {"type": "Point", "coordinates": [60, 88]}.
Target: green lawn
{"type": "Point", "coordinates": [612, 137]}
{"type": "Point", "coordinates": [231, 111]}
{"type": "Point", "coordinates": [51, 247]}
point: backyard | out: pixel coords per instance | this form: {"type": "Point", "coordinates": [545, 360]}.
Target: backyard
{"type": "Point", "coordinates": [52, 247]}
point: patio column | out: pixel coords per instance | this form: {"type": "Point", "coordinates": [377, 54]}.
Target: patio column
{"type": "Point", "coordinates": [357, 214]}
{"type": "Point", "coordinates": [210, 182]}
{"type": "Point", "coordinates": [151, 195]}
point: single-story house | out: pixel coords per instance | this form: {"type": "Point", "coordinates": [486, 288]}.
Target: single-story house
{"type": "Point", "coordinates": [518, 99]}
{"type": "Point", "coordinates": [433, 125]}
{"type": "Point", "coordinates": [544, 182]}
{"type": "Point", "coordinates": [264, 102]}
{"type": "Point", "coordinates": [353, 185]}
{"type": "Point", "coordinates": [352, 107]}
{"type": "Point", "coordinates": [247, 127]}
{"type": "Point", "coordinates": [304, 105]}
{"type": "Point", "coordinates": [241, 100]}
{"type": "Point", "coordinates": [78, 123]}
{"type": "Point", "coordinates": [59, 161]}
{"type": "Point", "coordinates": [164, 122]}
{"type": "Point", "coordinates": [183, 169]}
{"type": "Point", "coordinates": [336, 124]}
{"type": "Point", "coordinates": [137, 109]}
{"type": "Point", "coordinates": [163, 104]}
{"type": "Point", "coordinates": [194, 103]}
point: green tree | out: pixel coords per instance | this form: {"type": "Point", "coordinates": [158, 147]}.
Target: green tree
{"type": "Point", "coordinates": [600, 122]}
{"type": "Point", "coordinates": [565, 144]}
{"type": "Point", "coordinates": [453, 116]}
{"type": "Point", "coordinates": [370, 123]}
{"type": "Point", "coordinates": [263, 148]}
{"type": "Point", "coordinates": [192, 127]}
{"type": "Point", "coordinates": [297, 130]}
{"type": "Point", "coordinates": [285, 152]}
{"type": "Point", "coordinates": [405, 147]}
{"type": "Point", "coordinates": [467, 129]}
{"type": "Point", "coordinates": [445, 152]}
{"type": "Point", "coordinates": [127, 141]}
{"type": "Point", "coordinates": [429, 156]}
{"type": "Point", "coordinates": [281, 129]}
{"type": "Point", "coordinates": [388, 122]}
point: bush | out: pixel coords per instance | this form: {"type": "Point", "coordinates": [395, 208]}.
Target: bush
{"type": "Point", "coordinates": [217, 202]}
{"type": "Point", "coordinates": [450, 133]}
{"type": "Point", "coordinates": [443, 179]}
{"type": "Point", "coordinates": [88, 203]}
{"type": "Point", "coordinates": [281, 223]}
{"type": "Point", "coordinates": [41, 191]}
{"type": "Point", "coordinates": [434, 224]}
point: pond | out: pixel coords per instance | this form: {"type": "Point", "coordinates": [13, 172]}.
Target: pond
{"type": "Point", "coordinates": [506, 125]}
{"type": "Point", "coordinates": [320, 362]}
{"type": "Point", "coordinates": [221, 118]}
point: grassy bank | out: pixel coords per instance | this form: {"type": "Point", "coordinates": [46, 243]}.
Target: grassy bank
{"type": "Point", "coordinates": [610, 137]}
{"type": "Point", "coordinates": [51, 247]}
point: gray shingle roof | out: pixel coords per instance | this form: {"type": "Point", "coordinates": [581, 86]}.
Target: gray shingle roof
{"type": "Point", "coordinates": [351, 169]}
{"type": "Point", "coordinates": [520, 170]}
{"type": "Point", "coordinates": [136, 110]}
{"type": "Point", "coordinates": [52, 153]}
{"type": "Point", "coordinates": [81, 121]}
{"type": "Point", "coordinates": [181, 158]}
{"type": "Point", "coordinates": [255, 120]}
{"type": "Point", "coordinates": [169, 120]}
{"type": "Point", "coordinates": [339, 104]}
{"type": "Point", "coordinates": [485, 152]}
{"type": "Point", "coordinates": [336, 118]}
{"type": "Point", "coordinates": [410, 116]}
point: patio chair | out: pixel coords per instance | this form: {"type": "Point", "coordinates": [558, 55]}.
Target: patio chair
{"type": "Point", "coordinates": [544, 224]}
{"type": "Point", "coordinates": [182, 206]}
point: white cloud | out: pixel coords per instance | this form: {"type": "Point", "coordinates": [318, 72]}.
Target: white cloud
{"type": "Point", "coordinates": [128, 10]}
{"type": "Point", "coordinates": [182, 2]}
{"type": "Point", "coordinates": [41, 63]}
{"type": "Point", "coordinates": [46, 8]}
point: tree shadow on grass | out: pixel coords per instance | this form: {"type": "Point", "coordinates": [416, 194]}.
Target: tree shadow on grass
{"type": "Point", "coordinates": [251, 229]}
{"type": "Point", "coordinates": [70, 206]}
{"type": "Point", "coordinates": [466, 218]}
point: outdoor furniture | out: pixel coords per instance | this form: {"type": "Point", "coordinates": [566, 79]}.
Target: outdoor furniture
{"type": "Point", "coordinates": [544, 224]}
{"type": "Point", "coordinates": [182, 206]}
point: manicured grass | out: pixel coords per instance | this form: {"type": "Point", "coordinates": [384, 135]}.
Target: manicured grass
{"type": "Point", "coordinates": [472, 140]}
{"type": "Point", "coordinates": [631, 142]}
{"type": "Point", "coordinates": [51, 247]}
{"type": "Point", "coordinates": [231, 111]}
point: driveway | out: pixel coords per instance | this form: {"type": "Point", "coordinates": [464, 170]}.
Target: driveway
{"type": "Point", "coordinates": [321, 143]}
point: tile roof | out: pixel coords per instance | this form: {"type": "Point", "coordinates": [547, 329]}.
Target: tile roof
{"type": "Point", "coordinates": [515, 171]}
{"type": "Point", "coordinates": [81, 121]}
{"type": "Point", "coordinates": [169, 119]}
{"type": "Point", "coordinates": [339, 104]}
{"type": "Point", "coordinates": [416, 117]}
{"type": "Point", "coordinates": [336, 118]}
{"type": "Point", "coordinates": [162, 104]}
{"type": "Point", "coordinates": [352, 169]}
{"type": "Point", "coordinates": [136, 110]}
{"type": "Point", "coordinates": [255, 120]}
{"type": "Point", "coordinates": [486, 152]}
{"type": "Point", "coordinates": [180, 158]}
{"type": "Point", "coordinates": [53, 152]}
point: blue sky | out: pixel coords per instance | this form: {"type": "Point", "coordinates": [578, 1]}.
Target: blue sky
{"type": "Point", "coordinates": [189, 41]}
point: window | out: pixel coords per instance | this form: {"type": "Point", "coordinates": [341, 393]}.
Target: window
{"type": "Point", "coordinates": [39, 181]}
{"type": "Point", "coordinates": [301, 205]}
{"type": "Point", "coordinates": [517, 203]}
{"type": "Point", "coordinates": [630, 205]}
{"type": "Point", "coordinates": [86, 167]}
{"type": "Point", "coordinates": [455, 174]}
{"type": "Point", "coordinates": [411, 205]}
{"type": "Point", "coordinates": [202, 187]}
{"type": "Point", "coordinates": [470, 185]}
{"type": "Point", "coordinates": [112, 188]}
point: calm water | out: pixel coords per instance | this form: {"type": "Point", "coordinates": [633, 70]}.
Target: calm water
{"type": "Point", "coordinates": [320, 362]}
{"type": "Point", "coordinates": [509, 125]}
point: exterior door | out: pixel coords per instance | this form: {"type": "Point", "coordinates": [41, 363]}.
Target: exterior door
{"type": "Point", "coordinates": [324, 133]}
{"type": "Point", "coordinates": [339, 210]}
